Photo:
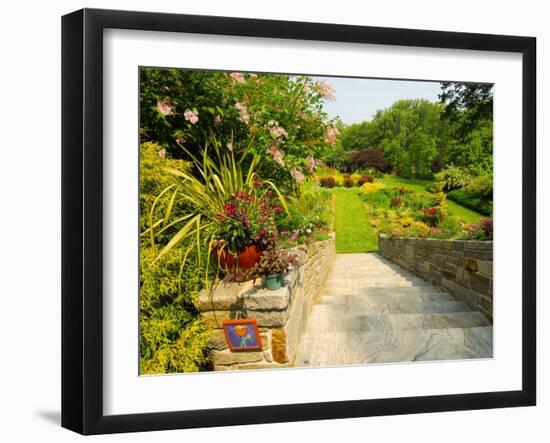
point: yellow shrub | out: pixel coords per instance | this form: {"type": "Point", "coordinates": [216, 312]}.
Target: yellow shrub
{"type": "Point", "coordinates": [406, 221]}
{"type": "Point", "coordinates": [369, 188]}
{"type": "Point", "coordinates": [375, 222]}
{"type": "Point", "coordinates": [419, 229]}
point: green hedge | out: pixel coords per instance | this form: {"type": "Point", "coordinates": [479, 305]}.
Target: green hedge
{"type": "Point", "coordinates": [475, 202]}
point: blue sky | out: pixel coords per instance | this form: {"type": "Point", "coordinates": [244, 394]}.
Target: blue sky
{"type": "Point", "coordinates": [357, 99]}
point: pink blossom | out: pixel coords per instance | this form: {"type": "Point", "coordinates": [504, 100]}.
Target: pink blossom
{"type": "Point", "coordinates": [217, 119]}
{"type": "Point", "coordinates": [277, 131]}
{"type": "Point", "coordinates": [192, 116]}
{"type": "Point", "coordinates": [162, 153]}
{"type": "Point", "coordinates": [243, 110]}
{"type": "Point", "coordinates": [331, 135]}
{"type": "Point", "coordinates": [253, 75]}
{"type": "Point", "coordinates": [181, 139]}
{"type": "Point", "coordinates": [276, 154]}
{"type": "Point", "coordinates": [238, 77]}
{"type": "Point", "coordinates": [165, 107]}
{"type": "Point", "coordinates": [310, 164]}
{"type": "Point", "coordinates": [229, 146]}
{"type": "Point", "coordinates": [326, 90]}
{"type": "Point", "coordinates": [298, 175]}
{"type": "Point", "coordinates": [306, 88]}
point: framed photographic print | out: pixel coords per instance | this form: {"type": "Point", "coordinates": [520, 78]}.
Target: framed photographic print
{"type": "Point", "coordinates": [283, 206]}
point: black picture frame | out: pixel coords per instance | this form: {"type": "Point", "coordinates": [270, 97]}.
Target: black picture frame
{"type": "Point", "coordinates": [82, 219]}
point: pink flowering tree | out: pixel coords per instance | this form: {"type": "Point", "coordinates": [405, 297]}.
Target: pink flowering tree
{"type": "Point", "coordinates": [277, 117]}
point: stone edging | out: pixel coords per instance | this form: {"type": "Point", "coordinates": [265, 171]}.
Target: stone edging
{"type": "Point", "coordinates": [281, 314]}
{"type": "Point", "coordinates": [464, 268]}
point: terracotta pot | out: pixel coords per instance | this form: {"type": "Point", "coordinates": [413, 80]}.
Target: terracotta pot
{"type": "Point", "coordinates": [247, 258]}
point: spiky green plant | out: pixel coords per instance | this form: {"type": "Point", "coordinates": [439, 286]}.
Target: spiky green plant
{"type": "Point", "coordinates": [217, 176]}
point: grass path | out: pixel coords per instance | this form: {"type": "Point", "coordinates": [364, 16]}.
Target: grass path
{"type": "Point", "coordinates": [467, 215]}
{"type": "Point", "coordinates": [354, 233]}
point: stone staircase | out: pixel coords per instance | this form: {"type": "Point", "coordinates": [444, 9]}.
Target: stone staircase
{"type": "Point", "coordinates": [373, 311]}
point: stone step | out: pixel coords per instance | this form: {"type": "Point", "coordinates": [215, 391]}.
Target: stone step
{"type": "Point", "coordinates": [387, 297]}
{"type": "Point", "coordinates": [384, 322]}
{"type": "Point", "coordinates": [420, 345]}
{"type": "Point", "coordinates": [338, 348]}
{"type": "Point", "coordinates": [334, 318]}
{"type": "Point", "coordinates": [352, 305]}
{"type": "Point", "coordinates": [345, 317]}
{"type": "Point", "coordinates": [374, 283]}
{"type": "Point", "coordinates": [361, 275]}
{"type": "Point", "coordinates": [405, 290]}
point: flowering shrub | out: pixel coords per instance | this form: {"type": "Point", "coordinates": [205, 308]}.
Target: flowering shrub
{"type": "Point", "coordinates": [452, 177]}
{"type": "Point", "coordinates": [307, 215]}
{"type": "Point", "coordinates": [480, 231]}
{"type": "Point", "coordinates": [432, 216]}
{"type": "Point", "coordinates": [280, 117]}
{"type": "Point", "coordinates": [327, 182]}
{"type": "Point", "coordinates": [365, 179]}
{"type": "Point", "coordinates": [348, 181]}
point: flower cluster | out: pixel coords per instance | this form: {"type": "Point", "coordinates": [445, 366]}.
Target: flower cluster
{"type": "Point", "coordinates": [331, 135]}
{"type": "Point", "coordinates": [243, 110]}
{"type": "Point", "coordinates": [238, 77]}
{"type": "Point", "coordinates": [311, 164]}
{"type": "Point", "coordinates": [249, 218]}
{"type": "Point", "coordinates": [298, 175]}
{"type": "Point", "coordinates": [326, 90]}
{"type": "Point", "coordinates": [432, 216]}
{"type": "Point", "coordinates": [164, 107]}
{"type": "Point", "coordinates": [276, 154]}
{"type": "Point", "coordinates": [276, 131]}
{"type": "Point", "coordinates": [192, 116]}
{"type": "Point", "coordinates": [480, 231]}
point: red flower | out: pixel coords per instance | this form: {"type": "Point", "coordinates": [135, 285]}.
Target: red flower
{"type": "Point", "coordinates": [230, 209]}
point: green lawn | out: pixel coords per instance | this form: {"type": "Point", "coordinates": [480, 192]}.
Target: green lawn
{"type": "Point", "coordinates": [465, 214]}
{"type": "Point", "coordinates": [354, 233]}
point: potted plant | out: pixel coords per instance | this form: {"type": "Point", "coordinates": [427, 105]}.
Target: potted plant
{"type": "Point", "coordinates": [272, 265]}
{"type": "Point", "coordinates": [247, 228]}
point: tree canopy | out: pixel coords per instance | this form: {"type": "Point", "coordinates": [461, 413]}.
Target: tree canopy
{"type": "Point", "coordinates": [418, 137]}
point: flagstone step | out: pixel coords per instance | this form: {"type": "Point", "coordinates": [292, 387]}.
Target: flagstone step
{"type": "Point", "coordinates": [383, 298]}
{"type": "Point", "coordinates": [344, 348]}
{"type": "Point", "coordinates": [355, 305]}
{"type": "Point", "coordinates": [372, 311]}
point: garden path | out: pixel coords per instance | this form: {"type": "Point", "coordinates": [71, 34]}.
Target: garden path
{"type": "Point", "coordinates": [373, 311]}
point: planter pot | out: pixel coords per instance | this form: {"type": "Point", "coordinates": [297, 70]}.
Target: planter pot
{"type": "Point", "coordinates": [247, 258]}
{"type": "Point", "coordinates": [274, 281]}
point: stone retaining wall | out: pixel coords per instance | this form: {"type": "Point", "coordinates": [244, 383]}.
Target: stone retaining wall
{"type": "Point", "coordinates": [281, 314]}
{"type": "Point", "coordinates": [462, 268]}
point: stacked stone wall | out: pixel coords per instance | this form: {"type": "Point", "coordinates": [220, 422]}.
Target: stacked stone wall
{"type": "Point", "coordinates": [462, 268]}
{"type": "Point", "coordinates": [281, 315]}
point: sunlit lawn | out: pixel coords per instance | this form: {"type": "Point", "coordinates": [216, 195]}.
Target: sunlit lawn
{"type": "Point", "coordinates": [354, 232]}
